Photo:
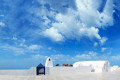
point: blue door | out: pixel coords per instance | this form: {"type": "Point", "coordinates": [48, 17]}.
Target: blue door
{"type": "Point", "coordinates": [40, 69]}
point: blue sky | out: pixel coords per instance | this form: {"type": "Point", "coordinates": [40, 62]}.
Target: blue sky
{"type": "Point", "coordinates": [65, 30]}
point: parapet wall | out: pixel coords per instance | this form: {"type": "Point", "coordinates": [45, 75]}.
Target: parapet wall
{"type": "Point", "coordinates": [31, 71]}
{"type": "Point", "coordinates": [48, 71]}
{"type": "Point", "coordinates": [66, 70]}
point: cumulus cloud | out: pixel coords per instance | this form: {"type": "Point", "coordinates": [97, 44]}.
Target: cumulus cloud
{"type": "Point", "coordinates": [71, 28]}
{"type": "Point", "coordinates": [62, 20]}
{"type": "Point", "coordinates": [90, 32]}
{"type": "Point", "coordinates": [84, 21]}
{"type": "Point", "coordinates": [14, 38]}
{"type": "Point", "coordinates": [60, 6]}
{"type": "Point", "coordinates": [89, 10]}
{"type": "Point", "coordinates": [38, 56]}
{"type": "Point", "coordinates": [53, 34]}
{"type": "Point", "coordinates": [21, 49]}
{"type": "Point", "coordinates": [103, 40]}
{"type": "Point", "coordinates": [91, 55]}
{"type": "Point", "coordinates": [34, 47]}
{"type": "Point", "coordinates": [2, 15]}
{"type": "Point", "coordinates": [95, 44]}
{"type": "Point", "coordinates": [103, 49]}
{"type": "Point", "coordinates": [49, 48]}
{"type": "Point", "coordinates": [2, 24]}
{"type": "Point", "coordinates": [70, 59]}
{"type": "Point", "coordinates": [117, 57]}
{"type": "Point", "coordinates": [13, 49]}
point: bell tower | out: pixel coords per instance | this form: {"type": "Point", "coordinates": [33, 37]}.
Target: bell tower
{"type": "Point", "coordinates": [49, 62]}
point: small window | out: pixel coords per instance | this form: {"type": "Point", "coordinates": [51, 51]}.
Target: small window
{"type": "Point", "coordinates": [49, 59]}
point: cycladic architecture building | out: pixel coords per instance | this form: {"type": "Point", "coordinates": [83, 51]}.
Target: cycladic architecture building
{"type": "Point", "coordinates": [76, 68]}
{"type": "Point", "coordinates": [96, 66]}
{"type": "Point", "coordinates": [50, 70]}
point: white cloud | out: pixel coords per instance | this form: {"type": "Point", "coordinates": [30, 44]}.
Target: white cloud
{"type": "Point", "coordinates": [103, 40]}
{"type": "Point", "coordinates": [49, 48]}
{"type": "Point", "coordinates": [70, 28]}
{"type": "Point", "coordinates": [37, 56]}
{"type": "Point", "coordinates": [95, 44]}
{"type": "Point", "coordinates": [83, 22]}
{"type": "Point", "coordinates": [15, 50]}
{"type": "Point", "coordinates": [6, 38]}
{"type": "Point", "coordinates": [103, 49]}
{"type": "Point", "coordinates": [23, 45]}
{"type": "Point", "coordinates": [107, 15]}
{"type": "Point", "coordinates": [90, 56]}
{"type": "Point", "coordinates": [83, 56]}
{"type": "Point", "coordinates": [47, 21]}
{"type": "Point", "coordinates": [34, 47]}
{"type": "Point", "coordinates": [2, 15]}
{"type": "Point", "coordinates": [68, 58]}
{"type": "Point", "coordinates": [60, 57]}
{"type": "Point", "coordinates": [90, 32]}
{"type": "Point", "coordinates": [2, 24]}
{"type": "Point", "coordinates": [14, 38]}
{"type": "Point", "coordinates": [92, 53]}
{"type": "Point", "coordinates": [117, 57]}
{"type": "Point", "coordinates": [59, 5]}
{"type": "Point", "coordinates": [88, 9]}
{"type": "Point", "coordinates": [21, 49]}
{"type": "Point", "coordinates": [53, 34]}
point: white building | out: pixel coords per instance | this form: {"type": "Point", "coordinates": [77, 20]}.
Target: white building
{"type": "Point", "coordinates": [49, 62]}
{"type": "Point", "coordinates": [96, 66]}
{"type": "Point", "coordinates": [78, 67]}
{"type": "Point", "coordinates": [50, 70]}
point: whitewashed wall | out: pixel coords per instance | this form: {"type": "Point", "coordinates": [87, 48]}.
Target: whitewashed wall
{"type": "Point", "coordinates": [31, 71]}
{"type": "Point", "coordinates": [66, 70]}
{"type": "Point", "coordinates": [48, 71]}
